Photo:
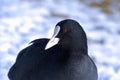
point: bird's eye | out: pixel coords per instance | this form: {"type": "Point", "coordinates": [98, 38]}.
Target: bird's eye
{"type": "Point", "coordinates": [65, 30]}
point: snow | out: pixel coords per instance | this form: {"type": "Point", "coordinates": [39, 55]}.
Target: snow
{"type": "Point", "coordinates": [22, 21]}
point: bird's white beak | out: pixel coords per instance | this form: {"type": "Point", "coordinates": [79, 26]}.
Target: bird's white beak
{"type": "Point", "coordinates": [54, 40]}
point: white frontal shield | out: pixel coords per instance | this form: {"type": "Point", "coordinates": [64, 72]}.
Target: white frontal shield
{"type": "Point", "coordinates": [54, 40]}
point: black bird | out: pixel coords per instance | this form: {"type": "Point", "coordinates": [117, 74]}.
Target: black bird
{"type": "Point", "coordinates": [63, 57]}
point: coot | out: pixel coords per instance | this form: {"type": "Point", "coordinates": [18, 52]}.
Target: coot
{"type": "Point", "coordinates": [63, 57]}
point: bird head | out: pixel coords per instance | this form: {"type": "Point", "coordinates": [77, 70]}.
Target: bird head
{"type": "Point", "coordinates": [69, 34]}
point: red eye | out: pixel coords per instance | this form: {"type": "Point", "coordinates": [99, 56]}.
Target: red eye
{"type": "Point", "coordinates": [65, 30]}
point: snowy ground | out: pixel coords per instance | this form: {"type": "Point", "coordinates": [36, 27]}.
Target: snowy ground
{"type": "Point", "coordinates": [26, 20]}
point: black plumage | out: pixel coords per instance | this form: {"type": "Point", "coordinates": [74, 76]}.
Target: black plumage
{"type": "Point", "coordinates": [67, 59]}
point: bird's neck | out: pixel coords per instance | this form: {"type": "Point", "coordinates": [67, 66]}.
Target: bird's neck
{"type": "Point", "coordinates": [75, 51]}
